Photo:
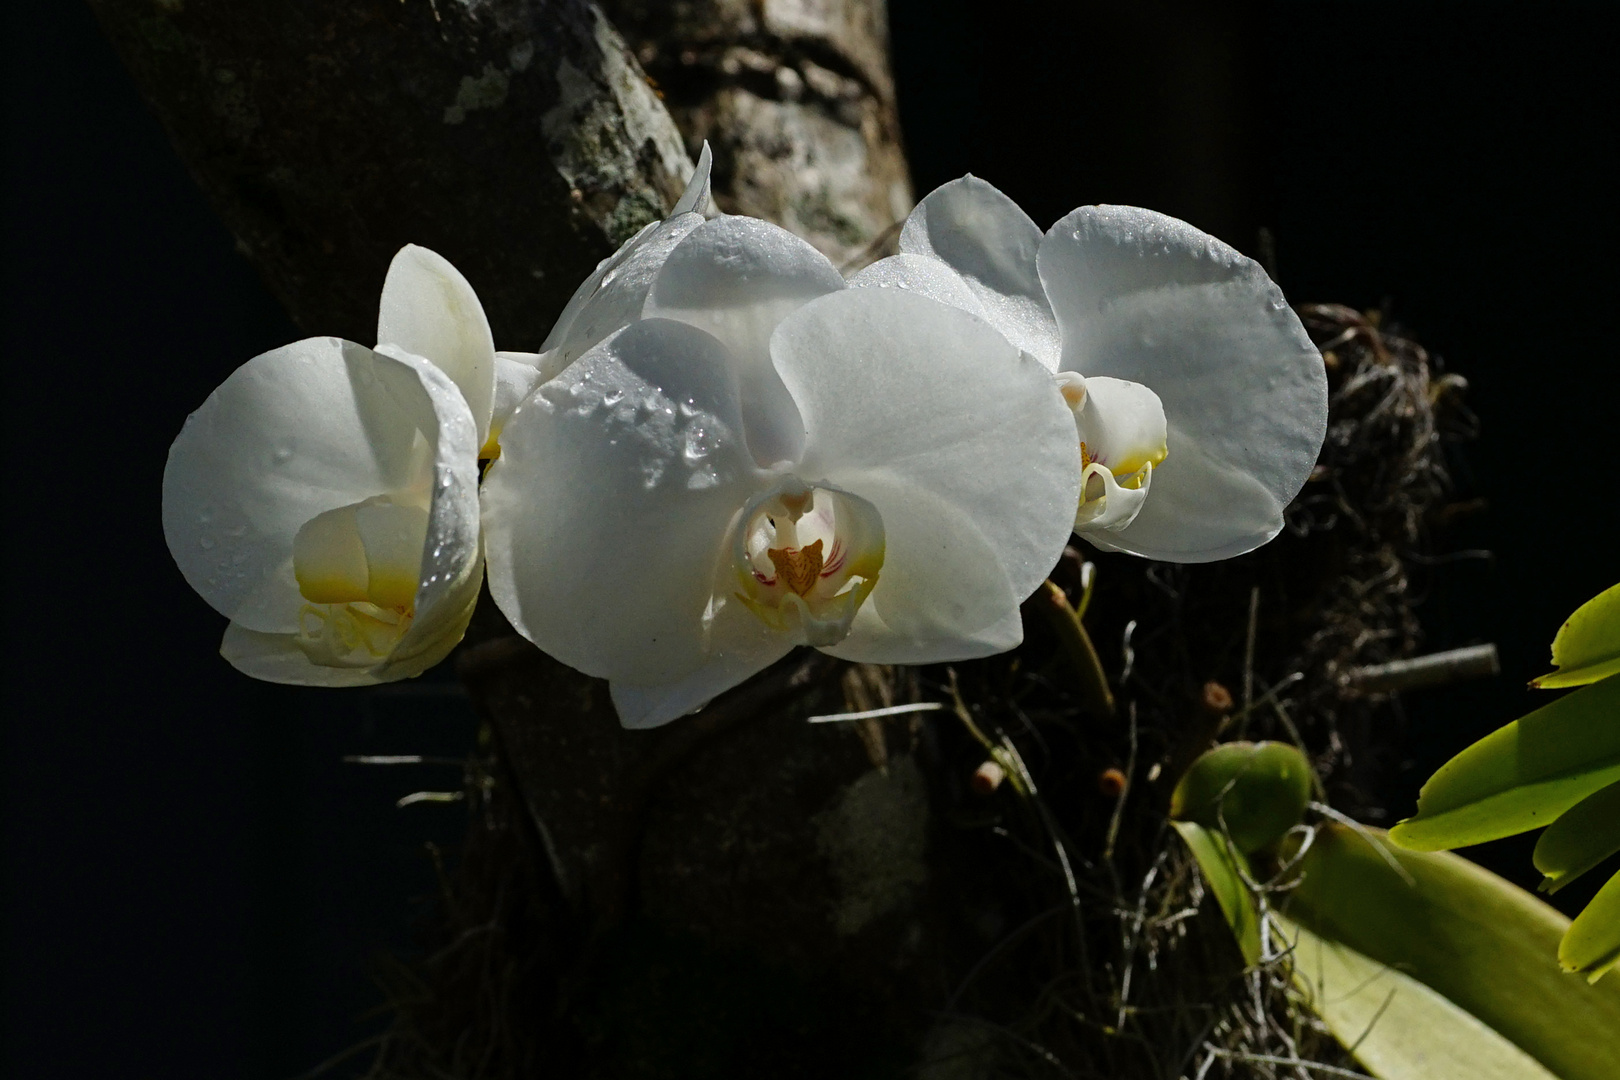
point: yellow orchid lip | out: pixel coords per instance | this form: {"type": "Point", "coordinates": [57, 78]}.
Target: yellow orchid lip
{"type": "Point", "coordinates": [805, 558]}
{"type": "Point", "coordinates": [358, 567]}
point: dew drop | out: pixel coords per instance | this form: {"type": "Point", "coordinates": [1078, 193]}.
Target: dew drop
{"type": "Point", "coordinates": [612, 397]}
{"type": "Point", "coordinates": [282, 455]}
{"type": "Point", "coordinates": [902, 284]}
{"type": "Point", "coordinates": [236, 532]}
{"type": "Point", "coordinates": [697, 446]}
{"type": "Point", "coordinates": [206, 543]}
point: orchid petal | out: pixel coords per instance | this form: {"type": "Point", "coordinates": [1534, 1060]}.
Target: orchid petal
{"type": "Point", "coordinates": [516, 376]}
{"type": "Point", "coordinates": [1146, 298]}
{"type": "Point", "coordinates": [697, 199]}
{"type": "Point", "coordinates": [607, 511]}
{"type": "Point", "coordinates": [922, 276]}
{"type": "Point", "coordinates": [983, 235]}
{"type": "Point", "coordinates": [612, 297]}
{"type": "Point", "coordinates": [963, 445]}
{"type": "Point", "coordinates": [737, 651]}
{"type": "Point", "coordinates": [306, 428]}
{"type": "Point", "coordinates": [429, 309]}
{"type": "Point", "coordinates": [737, 277]}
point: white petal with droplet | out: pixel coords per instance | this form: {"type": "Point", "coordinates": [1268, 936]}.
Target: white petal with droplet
{"type": "Point", "coordinates": [1146, 298]}
{"type": "Point", "coordinates": [604, 533]}
{"type": "Point", "coordinates": [983, 235]}
{"type": "Point", "coordinates": [736, 278]}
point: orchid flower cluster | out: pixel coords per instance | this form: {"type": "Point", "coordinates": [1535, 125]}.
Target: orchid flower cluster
{"type": "Point", "coordinates": [725, 449]}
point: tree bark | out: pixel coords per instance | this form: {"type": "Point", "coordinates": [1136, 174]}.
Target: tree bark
{"type": "Point", "coordinates": [518, 138]}
{"type": "Point", "coordinates": [797, 101]}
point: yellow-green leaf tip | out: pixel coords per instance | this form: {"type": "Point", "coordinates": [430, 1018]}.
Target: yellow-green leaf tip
{"type": "Point", "coordinates": [1587, 646]}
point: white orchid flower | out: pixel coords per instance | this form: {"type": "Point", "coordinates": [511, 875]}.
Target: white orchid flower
{"type": "Point", "coordinates": [1199, 401]}
{"type": "Point", "coordinates": [325, 497]}
{"type": "Point", "coordinates": [762, 459]}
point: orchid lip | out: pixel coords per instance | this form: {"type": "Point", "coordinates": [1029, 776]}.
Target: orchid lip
{"type": "Point", "coordinates": [357, 568]}
{"type": "Point", "coordinates": [1123, 435]}
{"type": "Point", "coordinates": [803, 558]}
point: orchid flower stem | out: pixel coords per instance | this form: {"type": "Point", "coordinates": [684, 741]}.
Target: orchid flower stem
{"type": "Point", "coordinates": [1054, 606]}
{"type": "Point", "coordinates": [1003, 753]}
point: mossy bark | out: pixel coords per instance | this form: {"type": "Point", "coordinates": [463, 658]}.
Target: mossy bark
{"type": "Point", "coordinates": [518, 138]}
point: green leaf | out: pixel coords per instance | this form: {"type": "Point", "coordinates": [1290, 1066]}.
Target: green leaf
{"type": "Point", "coordinates": [1221, 868]}
{"type": "Point", "coordinates": [1257, 790]}
{"type": "Point", "coordinates": [1587, 646]}
{"type": "Point", "coordinates": [1521, 776]}
{"type": "Point", "coordinates": [1584, 836]}
{"type": "Point", "coordinates": [1397, 1027]}
{"type": "Point", "coordinates": [1592, 945]}
{"type": "Point", "coordinates": [1481, 943]}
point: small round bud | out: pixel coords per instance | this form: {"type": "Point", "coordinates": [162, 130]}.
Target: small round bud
{"type": "Point", "coordinates": [987, 777]}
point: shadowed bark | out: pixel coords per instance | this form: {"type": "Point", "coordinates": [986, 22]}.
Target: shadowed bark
{"type": "Point", "coordinates": [518, 138]}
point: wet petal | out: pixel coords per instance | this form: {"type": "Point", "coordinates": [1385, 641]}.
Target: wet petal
{"type": "Point", "coordinates": [1146, 298]}
{"type": "Point", "coordinates": [923, 276]}
{"type": "Point", "coordinates": [612, 297]}
{"type": "Point", "coordinates": [736, 278]}
{"type": "Point", "coordinates": [429, 309]}
{"type": "Point", "coordinates": [307, 428]}
{"type": "Point", "coordinates": [964, 446]}
{"type": "Point", "coordinates": [983, 235]}
{"type": "Point", "coordinates": [607, 512]}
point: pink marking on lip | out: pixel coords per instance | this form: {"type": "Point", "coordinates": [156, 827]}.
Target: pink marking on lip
{"type": "Point", "coordinates": [762, 579]}
{"type": "Point", "coordinates": [835, 559]}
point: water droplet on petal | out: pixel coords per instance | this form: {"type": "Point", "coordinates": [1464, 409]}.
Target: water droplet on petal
{"type": "Point", "coordinates": [206, 543]}
{"type": "Point", "coordinates": [697, 446]}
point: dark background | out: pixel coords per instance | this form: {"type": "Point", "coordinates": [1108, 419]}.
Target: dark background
{"type": "Point", "coordinates": [196, 885]}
